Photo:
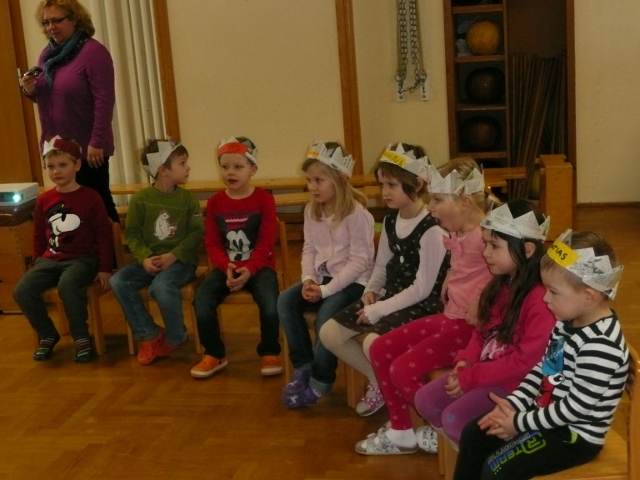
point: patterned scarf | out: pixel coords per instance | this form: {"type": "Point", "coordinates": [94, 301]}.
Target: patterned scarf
{"type": "Point", "coordinates": [60, 53]}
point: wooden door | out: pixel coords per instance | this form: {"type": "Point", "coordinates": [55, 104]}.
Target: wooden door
{"type": "Point", "coordinates": [14, 115]}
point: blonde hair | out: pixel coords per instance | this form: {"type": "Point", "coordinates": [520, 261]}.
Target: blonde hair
{"type": "Point", "coordinates": [464, 166]}
{"type": "Point", "coordinates": [73, 9]}
{"type": "Point", "coordinates": [346, 196]}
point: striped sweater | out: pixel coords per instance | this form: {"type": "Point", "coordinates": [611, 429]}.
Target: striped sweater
{"type": "Point", "coordinates": [578, 383]}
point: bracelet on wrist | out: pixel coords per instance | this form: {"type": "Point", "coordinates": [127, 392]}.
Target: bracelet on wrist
{"type": "Point", "coordinates": [27, 93]}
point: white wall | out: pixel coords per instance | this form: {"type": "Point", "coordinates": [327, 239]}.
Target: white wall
{"type": "Point", "coordinates": [265, 69]}
{"type": "Point", "coordinates": [384, 120]}
{"type": "Point", "coordinates": [268, 69]}
{"type": "Point", "coordinates": [608, 100]}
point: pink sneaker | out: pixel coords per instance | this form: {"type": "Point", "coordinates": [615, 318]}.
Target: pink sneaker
{"type": "Point", "coordinates": [371, 402]}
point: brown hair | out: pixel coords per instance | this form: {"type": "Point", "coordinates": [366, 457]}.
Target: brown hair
{"type": "Point", "coordinates": [412, 185]}
{"type": "Point", "coordinates": [152, 147]}
{"type": "Point", "coordinates": [73, 9]}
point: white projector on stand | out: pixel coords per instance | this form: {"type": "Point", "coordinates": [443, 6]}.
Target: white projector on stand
{"type": "Point", "coordinates": [13, 194]}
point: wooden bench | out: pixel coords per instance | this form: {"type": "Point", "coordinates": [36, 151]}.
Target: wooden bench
{"type": "Point", "coordinates": [618, 460]}
{"type": "Point", "coordinates": [494, 178]}
{"type": "Point", "coordinates": [556, 189]}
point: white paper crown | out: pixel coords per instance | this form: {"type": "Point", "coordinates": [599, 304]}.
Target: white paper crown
{"type": "Point", "coordinates": [155, 159]}
{"type": "Point", "coordinates": [524, 226]}
{"type": "Point", "coordinates": [406, 160]}
{"type": "Point", "coordinates": [233, 145]}
{"type": "Point", "coordinates": [595, 271]}
{"type": "Point", "coordinates": [338, 161]}
{"type": "Point", "coordinates": [454, 184]}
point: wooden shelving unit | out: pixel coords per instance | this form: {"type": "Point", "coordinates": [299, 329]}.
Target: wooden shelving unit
{"type": "Point", "coordinates": [540, 27]}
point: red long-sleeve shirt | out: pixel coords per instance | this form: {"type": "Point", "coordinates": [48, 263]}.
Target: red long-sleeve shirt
{"type": "Point", "coordinates": [241, 231]}
{"type": "Point", "coordinates": [73, 225]}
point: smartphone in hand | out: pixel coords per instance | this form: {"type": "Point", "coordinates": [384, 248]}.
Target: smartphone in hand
{"type": "Point", "coordinates": [33, 71]}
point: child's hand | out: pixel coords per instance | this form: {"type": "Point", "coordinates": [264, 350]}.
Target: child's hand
{"type": "Point", "coordinates": [472, 313]}
{"type": "Point", "coordinates": [499, 421]}
{"type": "Point", "coordinates": [452, 387]}
{"type": "Point", "coordinates": [240, 277]}
{"type": "Point", "coordinates": [149, 265]}
{"type": "Point", "coordinates": [231, 271]}
{"type": "Point", "coordinates": [311, 291]}
{"type": "Point", "coordinates": [103, 278]}
{"type": "Point", "coordinates": [362, 317]}
{"type": "Point", "coordinates": [369, 298]}
{"type": "Point", "coordinates": [164, 261]}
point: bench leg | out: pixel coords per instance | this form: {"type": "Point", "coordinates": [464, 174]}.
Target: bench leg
{"type": "Point", "coordinates": [449, 456]}
{"type": "Point", "coordinates": [194, 325]}
{"type": "Point", "coordinates": [95, 317]}
{"type": "Point", "coordinates": [356, 384]}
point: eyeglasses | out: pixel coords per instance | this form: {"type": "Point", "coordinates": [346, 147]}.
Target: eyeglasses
{"type": "Point", "coordinates": [53, 21]}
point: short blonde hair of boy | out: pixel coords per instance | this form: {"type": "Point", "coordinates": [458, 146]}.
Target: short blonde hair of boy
{"type": "Point", "coordinates": [464, 166]}
{"type": "Point", "coordinates": [346, 196]}
{"type": "Point", "coordinates": [581, 239]}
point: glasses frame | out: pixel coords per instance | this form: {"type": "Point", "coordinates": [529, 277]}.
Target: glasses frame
{"type": "Point", "coordinates": [53, 21]}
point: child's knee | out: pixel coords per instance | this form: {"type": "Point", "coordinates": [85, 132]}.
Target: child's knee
{"type": "Point", "coordinates": [116, 282]}
{"type": "Point", "coordinates": [376, 350]}
{"type": "Point", "coordinates": [22, 293]}
{"type": "Point", "coordinates": [329, 333]}
{"type": "Point", "coordinates": [162, 290]}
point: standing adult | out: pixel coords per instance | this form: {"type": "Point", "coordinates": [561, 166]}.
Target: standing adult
{"type": "Point", "coordinates": [75, 92]}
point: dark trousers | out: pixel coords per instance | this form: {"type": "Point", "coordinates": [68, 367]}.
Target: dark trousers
{"type": "Point", "coordinates": [484, 457]}
{"type": "Point", "coordinates": [263, 286]}
{"type": "Point", "coordinates": [98, 180]}
{"type": "Point", "coordinates": [71, 277]}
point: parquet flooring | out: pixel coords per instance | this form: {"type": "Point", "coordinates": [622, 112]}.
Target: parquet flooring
{"type": "Point", "coordinates": [113, 419]}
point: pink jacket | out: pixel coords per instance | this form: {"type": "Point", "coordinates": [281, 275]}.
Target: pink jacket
{"type": "Point", "coordinates": [506, 365]}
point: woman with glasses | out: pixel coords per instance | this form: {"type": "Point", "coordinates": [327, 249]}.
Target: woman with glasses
{"type": "Point", "coordinates": [74, 90]}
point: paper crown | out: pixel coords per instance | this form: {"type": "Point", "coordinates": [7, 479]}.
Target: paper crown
{"type": "Point", "coordinates": [60, 144]}
{"type": "Point", "coordinates": [524, 226]}
{"type": "Point", "coordinates": [165, 149]}
{"type": "Point", "coordinates": [232, 145]}
{"type": "Point", "coordinates": [595, 271]}
{"type": "Point", "coordinates": [337, 160]}
{"type": "Point", "coordinates": [406, 160]}
{"type": "Point", "coordinates": [454, 183]}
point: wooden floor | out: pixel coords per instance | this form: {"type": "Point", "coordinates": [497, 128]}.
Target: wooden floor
{"type": "Point", "coordinates": [113, 418]}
